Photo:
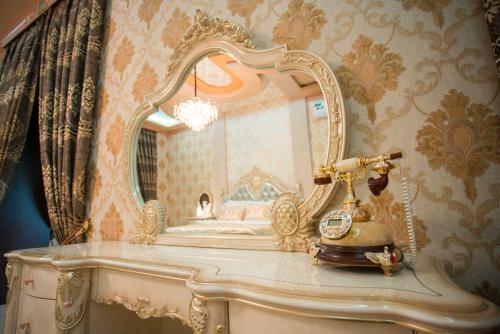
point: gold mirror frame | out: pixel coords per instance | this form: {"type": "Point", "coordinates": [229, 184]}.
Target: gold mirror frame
{"type": "Point", "coordinates": [293, 222]}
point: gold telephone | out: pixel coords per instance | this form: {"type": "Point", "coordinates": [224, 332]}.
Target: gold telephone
{"type": "Point", "coordinates": [348, 237]}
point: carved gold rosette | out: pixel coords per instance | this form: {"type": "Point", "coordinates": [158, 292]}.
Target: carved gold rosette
{"type": "Point", "coordinates": [291, 230]}
{"type": "Point", "coordinates": [73, 290]}
{"type": "Point", "coordinates": [211, 35]}
{"type": "Point", "coordinates": [152, 218]}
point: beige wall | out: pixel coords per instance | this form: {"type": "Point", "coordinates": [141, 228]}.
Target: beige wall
{"type": "Point", "coordinates": [416, 78]}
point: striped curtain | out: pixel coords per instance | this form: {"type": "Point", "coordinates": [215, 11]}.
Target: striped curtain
{"type": "Point", "coordinates": [146, 164]}
{"type": "Point", "coordinates": [18, 86]}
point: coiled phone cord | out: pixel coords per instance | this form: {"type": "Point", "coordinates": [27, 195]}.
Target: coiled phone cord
{"type": "Point", "coordinates": [409, 224]}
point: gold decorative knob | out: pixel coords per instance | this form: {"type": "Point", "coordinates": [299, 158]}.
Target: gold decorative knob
{"type": "Point", "coordinates": [26, 327]}
{"type": "Point", "coordinates": [220, 329]}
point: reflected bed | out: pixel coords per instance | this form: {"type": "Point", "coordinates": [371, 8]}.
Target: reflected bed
{"type": "Point", "coordinates": [217, 226]}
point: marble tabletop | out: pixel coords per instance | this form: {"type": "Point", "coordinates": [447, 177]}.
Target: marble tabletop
{"type": "Point", "coordinates": [284, 277]}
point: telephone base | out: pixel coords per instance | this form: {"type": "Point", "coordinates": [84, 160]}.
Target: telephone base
{"type": "Point", "coordinates": [350, 255]}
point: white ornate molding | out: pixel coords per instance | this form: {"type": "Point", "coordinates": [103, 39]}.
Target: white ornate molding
{"type": "Point", "coordinates": [143, 308]}
{"type": "Point", "coordinates": [206, 27]}
{"type": "Point", "coordinates": [73, 290]}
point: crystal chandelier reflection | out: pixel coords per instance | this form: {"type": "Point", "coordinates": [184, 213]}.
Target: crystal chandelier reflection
{"type": "Point", "coordinates": [196, 113]}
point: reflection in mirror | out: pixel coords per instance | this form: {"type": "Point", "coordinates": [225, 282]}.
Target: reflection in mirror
{"type": "Point", "coordinates": [270, 135]}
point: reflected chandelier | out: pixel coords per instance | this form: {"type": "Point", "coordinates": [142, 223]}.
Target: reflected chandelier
{"type": "Point", "coordinates": [196, 113]}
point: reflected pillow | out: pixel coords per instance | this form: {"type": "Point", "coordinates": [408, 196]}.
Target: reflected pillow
{"type": "Point", "coordinates": [232, 212]}
{"type": "Point", "coordinates": [258, 212]}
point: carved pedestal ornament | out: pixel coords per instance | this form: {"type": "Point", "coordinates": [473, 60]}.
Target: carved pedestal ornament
{"type": "Point", "coordinates": [73, 290]}
{"type": "Point", "coordinates": [211, 35]}
{"type": "Point", "coordinates": [12, 274]}
{"type": "Point", "coordinates": [152, 218]}
{"type": "Point", "coordinates": [198, 315]}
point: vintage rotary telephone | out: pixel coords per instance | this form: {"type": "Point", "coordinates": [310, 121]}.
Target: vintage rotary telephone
{"type": "Point", "coordinates": [348, 237]}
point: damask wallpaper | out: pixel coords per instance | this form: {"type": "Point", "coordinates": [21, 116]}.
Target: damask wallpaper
{"type": "Point", "coordinates": [184, 172]}
{"type": "Point", "coordinates": [260, 124]}
{"type": "Point", "coordinates": [418, 76]}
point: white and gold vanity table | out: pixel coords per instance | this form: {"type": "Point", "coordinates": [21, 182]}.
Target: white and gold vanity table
{"type": "Point", "coordinates": [265, 206]}
{"type": "Point", "coordinates": [55, 290]}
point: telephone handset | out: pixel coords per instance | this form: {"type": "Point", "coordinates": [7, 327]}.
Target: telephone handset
{"type": "Point", "coordinates": [348, 237]}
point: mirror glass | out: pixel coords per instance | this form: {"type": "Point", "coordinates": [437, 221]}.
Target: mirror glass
{"type": "Point", "coordinates": [270, 136]}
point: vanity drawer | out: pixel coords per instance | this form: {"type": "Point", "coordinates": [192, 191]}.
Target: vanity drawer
{"type": "Point", "coordinates": [148, 296]}
{"type": "Point", "coordinates": [242, 321]}
{"type": "Point", "coordinates": [36, 315]}
{"type": "Point", "coordinates": [38, 281]}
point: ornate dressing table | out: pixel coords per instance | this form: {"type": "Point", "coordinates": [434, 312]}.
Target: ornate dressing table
{"type": "Point", "coordinates": [54, 290]}
{"type": "Point", "coordinates": [260, 205]}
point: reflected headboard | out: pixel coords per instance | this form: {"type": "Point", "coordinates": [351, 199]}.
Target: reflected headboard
{"type": "Point", "coordinates": [256, 186]}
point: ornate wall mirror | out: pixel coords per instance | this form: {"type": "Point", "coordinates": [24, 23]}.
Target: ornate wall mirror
{"type": "Point", "coordinates": [245, 128]}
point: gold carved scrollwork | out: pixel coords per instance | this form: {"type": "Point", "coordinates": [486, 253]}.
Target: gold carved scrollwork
{"type": "Point", "coordinates": [73, 289]}
{"type": "Point", "coordinates": [69, 285]}
{"type": "Point", "coordinates": [11, 272]}
{"type": "Point", "coordinates": [290, 230]}
{"type": "Point", "coordinates": [142, 307]}
{"type": "Point", "coordinates": [153, 216]}
{"type": "Point", "coordinates": [205, 27]}
{"type": "Point", "coordinates": [198, 315]}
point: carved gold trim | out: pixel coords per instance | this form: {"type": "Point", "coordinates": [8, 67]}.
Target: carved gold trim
{"type": "Point", "coordinates": [198, 315]}
{"type": "Point", "coordinates": [210, 35]}
{"type": "Point", "coordinates": [220, 328]}
{"type": "Point", "coordinates": [206, 27]}
{"type": "Point", "coordinates": [9, 273]}
{"type": "Point", "coordinates": [69, 285]}
{"type": "Point", "coordinates": [68, 321]}
{"type": "Point", "coordinates": [255, 179]}
{"type": "Point", "coordinates": [142, 307]}
{"type": "Point", "coordinates": [152, 218]}
{"type": "Point", "coordinates": [73, 289]}
{"type": "Point", "coordinates": [290, 230]}
{"type": "Point", "coordinates": [12, 275]}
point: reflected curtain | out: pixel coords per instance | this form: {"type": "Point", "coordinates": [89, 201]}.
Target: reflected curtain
{"type": "Point", "coordinates": [69, 70]}
{"type": "Point", "coordinates": [18, 84]}
{"type": "Point", "coordinates": [491, 11]}
{"type": "Point", "coordinates": [146, 164]}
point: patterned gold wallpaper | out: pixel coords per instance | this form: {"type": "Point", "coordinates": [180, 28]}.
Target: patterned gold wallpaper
{"type": "Point", "coordinates": [417, 75]}
{"type": "Point", "coordinates": [184, 172]}
{"type": "Point", "coordinates": [265, 129]}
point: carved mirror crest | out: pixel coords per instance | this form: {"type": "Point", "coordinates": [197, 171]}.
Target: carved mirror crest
{"type": "Point", "coordinates": [270, 118]}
